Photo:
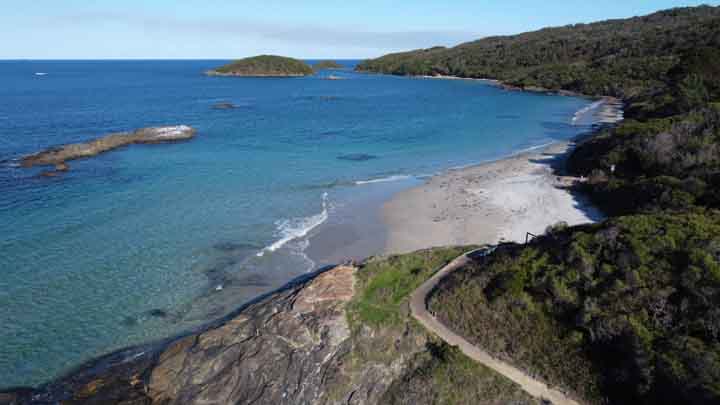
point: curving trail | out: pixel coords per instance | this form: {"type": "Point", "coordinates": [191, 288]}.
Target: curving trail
{"type": "Point", "coordinates": [418, 307]}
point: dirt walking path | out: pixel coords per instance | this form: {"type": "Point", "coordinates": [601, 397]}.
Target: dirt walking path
{"type": "Point", "coordinates": [418, 306]}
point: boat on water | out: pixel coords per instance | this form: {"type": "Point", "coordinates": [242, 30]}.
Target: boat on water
{"type": "Point", "coordinates": [40, 74]}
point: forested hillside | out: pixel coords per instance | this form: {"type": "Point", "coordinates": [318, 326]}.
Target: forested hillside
{"type": "Point", "coordinates": [623, 312]}
{"type": "Point", "coordinates": [264, 66]}
{"type": "Point", "coordinates": [666, 155]}
{"type": "Point", "coordinates": [617, 57]}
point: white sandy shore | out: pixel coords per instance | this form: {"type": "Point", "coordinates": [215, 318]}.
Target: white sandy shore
{"type": "Point", "coordinates": [488, 203]}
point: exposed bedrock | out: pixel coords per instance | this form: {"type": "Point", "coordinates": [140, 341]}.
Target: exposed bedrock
{"type": "Point", "coordinates": [58, 156]}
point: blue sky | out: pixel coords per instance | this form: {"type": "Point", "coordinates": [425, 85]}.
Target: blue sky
{"type": "Point", "coordinates": [224, 29]}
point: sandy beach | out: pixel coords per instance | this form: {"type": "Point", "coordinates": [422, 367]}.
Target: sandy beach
{"type": "Point", "coordinates": [497, 201]}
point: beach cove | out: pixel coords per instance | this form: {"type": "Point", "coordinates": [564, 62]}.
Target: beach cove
{"type": "Point", "coordinates": [164, 240]}
{"type": "Point", "coordinates": [508, 200]}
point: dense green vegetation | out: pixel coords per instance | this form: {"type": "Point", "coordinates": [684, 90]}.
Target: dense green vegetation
{"type": "Point", "coordinates": [618, 57]}
{"type": "Point", "coordinates": [443, 375]}
{"type": "Point", "coordinates": [623, 312]}
{"type": "Point", "coordinates": [626, 311]}
{"type": "Point", "coordinates": [264, 65]}
{"type": "Point", "coordinates": [666, 155]}
{"type": "Point", "coordinates": [327, 64]}
{"type": "Point", "coordinates": [383, 331]}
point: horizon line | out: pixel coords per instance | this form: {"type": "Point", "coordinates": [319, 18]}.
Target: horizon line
{"type": "Point", "coordinates": [157, 59]}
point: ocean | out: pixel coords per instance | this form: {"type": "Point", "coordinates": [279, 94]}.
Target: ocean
{"type": "Point", "coordinates": [145, 242]}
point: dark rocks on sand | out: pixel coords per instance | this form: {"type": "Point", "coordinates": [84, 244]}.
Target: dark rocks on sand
{"type": "Point", "coordinates": [357, 157]}
{"type": "Point", "coordinates": [59, 155]}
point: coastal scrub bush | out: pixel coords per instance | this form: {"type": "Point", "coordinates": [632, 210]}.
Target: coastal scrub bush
{"type": "Point", "coordinates": [443, 375]}
{"type": "Point", "coordinates": [621, 312]}
{"type": "Point", "coordinates": [623, 58]}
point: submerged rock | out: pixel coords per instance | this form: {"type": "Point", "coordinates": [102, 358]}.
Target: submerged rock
{"type": "Point", "coordinates": [158, 313]}
{"type": "Point", "coordinates": [224, 106]}
{"type": "Point", "coordinates": [59, 168]}
{"type": "Point", "coordinates": [59, 155]}
{"type": "Point", "coordinates": [232, 247]}
{"type": "Point", "coordinates": [357, 157]}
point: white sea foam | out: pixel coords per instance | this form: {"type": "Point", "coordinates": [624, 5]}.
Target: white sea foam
{"type": "Point", "coordinates": [298, 249]}
{"type": "Point", "coordinates": [533, 148]}
{"type": "Point", "coordinates": [291, 229]}
{"type": "Point", "coordinates": [383, 180]}
{"type": "Point", "coordinates": [587, 109]}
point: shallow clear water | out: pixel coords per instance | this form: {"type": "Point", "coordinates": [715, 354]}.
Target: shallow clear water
{"type": "Point", "coordinates": [144, 242]}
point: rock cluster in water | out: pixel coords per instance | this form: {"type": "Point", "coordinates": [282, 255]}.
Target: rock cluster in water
{"type": "Point", "coordinates": [357, 157]}
{"type": "Point", "coordinates": [58, 156]}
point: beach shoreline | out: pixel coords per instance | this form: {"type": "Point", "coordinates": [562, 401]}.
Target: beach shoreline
{"type": "Point", "coordinates": [508, 200]}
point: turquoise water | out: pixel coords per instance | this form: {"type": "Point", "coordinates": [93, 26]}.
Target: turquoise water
{"type": "Point", "coordinates": [144, 242]}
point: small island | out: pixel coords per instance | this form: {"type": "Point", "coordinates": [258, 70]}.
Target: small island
{"type": "Point", "coordinates": [327, 65]}
{"type": "Point", "coordinates": [58, 156]}
{"type": "Point", "coordinates": [264, 66]}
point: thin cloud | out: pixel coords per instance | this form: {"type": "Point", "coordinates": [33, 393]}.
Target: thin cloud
{"type": "Point", "coordinates": [243, 29]}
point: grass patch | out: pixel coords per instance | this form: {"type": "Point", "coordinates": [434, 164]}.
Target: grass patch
{"type": "Point", "coordinates": [385, 284]}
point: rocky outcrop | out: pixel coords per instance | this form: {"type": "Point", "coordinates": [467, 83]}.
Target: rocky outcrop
{"type": "Point", "coordinates": [283, 349]}
{"type": "Point", "coordinates": [303, 344]}
{"type": "Point", "coordinates": [58, 156]}
{"type": "Point", "coordinates": [276, 353]}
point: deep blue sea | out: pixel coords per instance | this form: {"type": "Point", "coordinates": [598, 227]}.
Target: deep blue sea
{"type": "Point", "coordinates": [147, 241]}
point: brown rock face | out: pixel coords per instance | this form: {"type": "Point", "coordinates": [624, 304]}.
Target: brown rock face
{"type": "Point", "coordinates": [276, 352]}
{"type": "Point", "coordinates": [58, 156]}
